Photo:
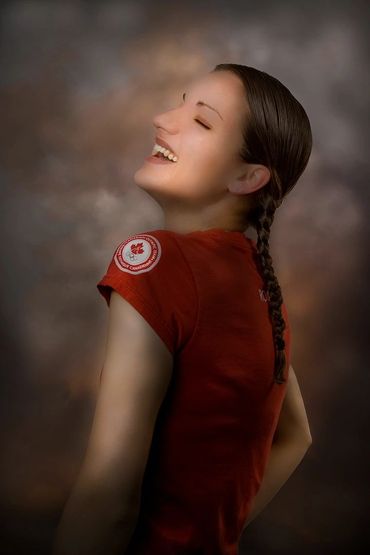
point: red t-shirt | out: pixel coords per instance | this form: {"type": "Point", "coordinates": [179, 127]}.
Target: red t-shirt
{"type": "Point", "coordinates": [203, 295]}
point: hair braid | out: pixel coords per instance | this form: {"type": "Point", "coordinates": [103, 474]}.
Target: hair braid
{"type": "Point", "coordinates": [263, 217]}
{"type": "Point", "coordinates": [276, 134]}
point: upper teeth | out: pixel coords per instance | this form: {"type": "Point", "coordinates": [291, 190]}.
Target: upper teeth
{"type": "Point", "coordinates": [167, 153]}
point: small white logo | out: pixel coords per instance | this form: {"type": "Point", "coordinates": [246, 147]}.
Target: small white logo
{"type": "Point", "coordinates": [264, 296]}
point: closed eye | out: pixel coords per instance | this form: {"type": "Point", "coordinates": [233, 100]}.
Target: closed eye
{"type": "Point", "coordinates": [197, 120]}
{"type": "Point", "coordinates": [201, 123]}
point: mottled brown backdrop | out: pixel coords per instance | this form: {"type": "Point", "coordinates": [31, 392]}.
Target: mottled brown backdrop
{"type": "Point", "coordinates": [80, 84]}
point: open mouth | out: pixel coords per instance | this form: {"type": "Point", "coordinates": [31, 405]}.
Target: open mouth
{"type": "Point", "coordinates": [159, 158]}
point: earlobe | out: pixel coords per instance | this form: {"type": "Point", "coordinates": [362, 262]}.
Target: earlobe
{"type": "Point", "coordinates": [239, 187]}
{"type": "Point", "coordinates": [248, 183]}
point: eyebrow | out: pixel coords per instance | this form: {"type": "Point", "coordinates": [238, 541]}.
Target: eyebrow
{"type": "Point", "coordinates": [201, 103]}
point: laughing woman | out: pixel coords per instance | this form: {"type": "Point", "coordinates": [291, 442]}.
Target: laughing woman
{"type": "Point", "coordinates": [199, 418]}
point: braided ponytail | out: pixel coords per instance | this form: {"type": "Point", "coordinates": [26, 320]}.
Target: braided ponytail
{"type": "Point", "coordinates": [277, 134]}
{"type": "Point", "coordinates": [262, 218]}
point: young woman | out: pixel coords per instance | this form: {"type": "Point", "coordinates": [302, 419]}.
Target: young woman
{"type": "Point", "coordinates": [199, 418]}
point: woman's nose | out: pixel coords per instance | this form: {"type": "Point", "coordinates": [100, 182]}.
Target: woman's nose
{"type": "Point", "coordinates": [167, 121]}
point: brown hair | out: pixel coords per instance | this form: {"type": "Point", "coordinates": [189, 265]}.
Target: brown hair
{"type": "Point", "coordinates": [277, 134]}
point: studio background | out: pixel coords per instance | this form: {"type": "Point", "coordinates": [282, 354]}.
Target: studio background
{"type": "Point", "coordinates": [80, 85]}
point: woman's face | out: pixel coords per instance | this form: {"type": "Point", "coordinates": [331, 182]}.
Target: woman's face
{"type": "Point", "coordinates": [206, 142]}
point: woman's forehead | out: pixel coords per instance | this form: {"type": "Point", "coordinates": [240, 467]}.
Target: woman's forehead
{"type": "Point", "coordinates": [223, 88]}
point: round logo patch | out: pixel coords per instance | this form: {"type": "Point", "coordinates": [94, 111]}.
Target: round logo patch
{"type": "Point", "coordinates": [138, 254]}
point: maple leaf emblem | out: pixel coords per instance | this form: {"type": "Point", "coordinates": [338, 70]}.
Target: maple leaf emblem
{"type": "Point", "coordinates": [137, 248]}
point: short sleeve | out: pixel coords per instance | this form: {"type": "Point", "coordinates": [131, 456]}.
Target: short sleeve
{"type": "Point", "coordinates": [150, 271]}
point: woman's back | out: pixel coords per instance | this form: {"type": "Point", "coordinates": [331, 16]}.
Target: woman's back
{"type": "Point", "coordinates": [215, 427]}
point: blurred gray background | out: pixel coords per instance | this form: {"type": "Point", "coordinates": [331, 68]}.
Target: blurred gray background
{"type": "Point", "coordinates": [80, 84]}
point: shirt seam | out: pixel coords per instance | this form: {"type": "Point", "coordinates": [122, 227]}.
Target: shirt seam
{"type": "Point", "coordinates": [197, 317]}
{"type": "Point", "coordinates": [110, 278]}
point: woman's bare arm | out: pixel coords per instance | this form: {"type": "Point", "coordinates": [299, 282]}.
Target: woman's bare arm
{"type": "Point", "coordinates": [293, 421]}
{"type": "Point", "coordinates": [102, 510]}
{"type": "Point", "coordinates": [291, 441]}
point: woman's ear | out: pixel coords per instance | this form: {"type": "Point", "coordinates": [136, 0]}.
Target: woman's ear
{"type": "Point", "coordinates": [256, 177]}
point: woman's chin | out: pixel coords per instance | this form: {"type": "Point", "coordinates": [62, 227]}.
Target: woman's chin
{"type": "Point", "coordinates": [141, 178]}
{"type": "Point", "coordinates": [153, 189]}
{"type": "Point", "coordinates": [146, 179]}
{"type": "Point", "coordinates": [144, 182]}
